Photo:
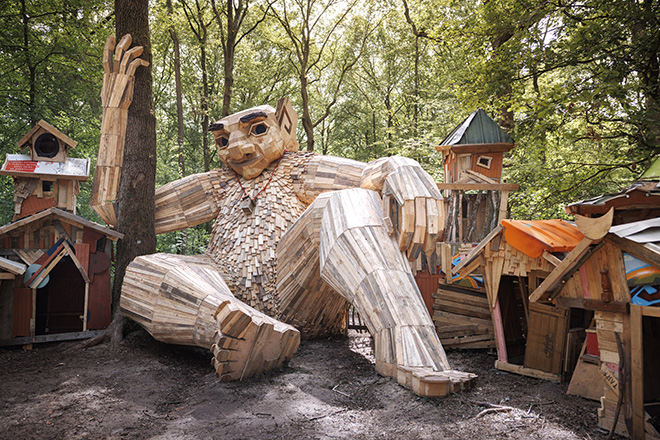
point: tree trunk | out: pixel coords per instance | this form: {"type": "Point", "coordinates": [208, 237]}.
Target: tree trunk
{"type": "Point", "coordinates": [306, 116]}
{"type": "Point", "coordinates": [179, 93]}
{"type": "Point", "coordinates": [136, 191]}
{"type": "Point", "coordinates": [205, 107]}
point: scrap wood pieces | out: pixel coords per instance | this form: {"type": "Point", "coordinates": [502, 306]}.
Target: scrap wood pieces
{"type": "Point", "coordinates": [247, 344]}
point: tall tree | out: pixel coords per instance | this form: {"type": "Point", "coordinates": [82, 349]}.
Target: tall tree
{"type": "Point", "coordinates": [136, 218]}
{"type": "Point", "coordinates": [199, 22]}
{"type": "Point", "coordinates": [313, 28]}
{"type": "Point", "coordinates": [230, 26]}
{"type": "Point", "coordinates": [178, 90]}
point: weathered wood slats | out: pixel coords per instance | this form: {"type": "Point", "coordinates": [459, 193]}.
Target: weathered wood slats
{"type": "Point", "coordinates": [116, 97]}
{"type": "Point", "coordinates": [462, 318]}
{"type": "Point", "coordinates": [361, 262]}
{"type": "Point", "coordinates": [184, 300]}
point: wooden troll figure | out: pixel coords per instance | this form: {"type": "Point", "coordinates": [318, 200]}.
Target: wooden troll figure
{"type": "Point", "coordinates": [297, 238]}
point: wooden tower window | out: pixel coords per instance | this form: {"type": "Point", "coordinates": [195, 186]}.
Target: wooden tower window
{"type": "Point", "coordinates": [484, 161]}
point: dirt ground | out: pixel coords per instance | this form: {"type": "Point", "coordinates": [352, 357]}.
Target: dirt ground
{"type": "Point", "coordinates": [149, 390]}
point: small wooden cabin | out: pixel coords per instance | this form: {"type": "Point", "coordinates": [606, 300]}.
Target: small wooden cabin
{"type": "Point", "coordinates": [59, 285]}
{"type": "Point", "coordinates": [46, 177]}
{"type": "Point", "coordinates": [54, 265]}
{"type": "Point", "coordinates": [532, 339]}
{"type": "Point", "coordinates": [615, 276]}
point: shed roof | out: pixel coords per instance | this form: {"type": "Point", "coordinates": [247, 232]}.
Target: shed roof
{"type": "Point", "coordinates": [638, 195]}
{"type": "Point", "coordinates": [532, 237]}
{"type": "Point", "coordinates": [66, 140]}
{"type": "Point", "coordinates": [23, 165]}
{"type": "Point", "coordinates": [67, 217]}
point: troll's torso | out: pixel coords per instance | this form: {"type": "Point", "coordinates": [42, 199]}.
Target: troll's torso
{"type": "Point", "coordinates": [243, 242]}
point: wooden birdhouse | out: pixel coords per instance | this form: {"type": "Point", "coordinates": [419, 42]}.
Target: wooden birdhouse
{"type": "Point", "coordinates": [46, 177]}
{"type": "Point", "coordinates": [47, 143]}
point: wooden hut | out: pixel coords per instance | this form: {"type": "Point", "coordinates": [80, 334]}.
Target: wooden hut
{"type": "Point", "coordinates": [614, 275]}
{"type": "Point", "coordinates": [54, 278]}
{"type": "Point", "coordinates": [532, 339]}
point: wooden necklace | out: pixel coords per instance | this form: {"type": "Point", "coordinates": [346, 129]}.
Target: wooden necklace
{"type": "Point", "coordinates": [248, 203]}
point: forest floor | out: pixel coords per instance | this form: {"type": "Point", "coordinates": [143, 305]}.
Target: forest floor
{"type": "Point", "coordinates": [149, 390]}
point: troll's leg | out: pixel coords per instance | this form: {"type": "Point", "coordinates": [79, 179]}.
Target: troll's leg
{"type": "Point", "coordinates": [184, 300]}
{"type": "Point", "coordinates": [358, 260]}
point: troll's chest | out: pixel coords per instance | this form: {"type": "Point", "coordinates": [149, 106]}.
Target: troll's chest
{"type": "Point", "coordinates": [254, 215]}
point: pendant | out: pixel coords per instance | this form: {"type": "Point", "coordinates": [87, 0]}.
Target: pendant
{"type": "Point", "coordinates": [247, 205]}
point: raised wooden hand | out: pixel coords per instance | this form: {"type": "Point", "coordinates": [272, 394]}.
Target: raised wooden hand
{"type": "Point", "coordinates": [411, 202]}
{"type": "Point", "coordinates": [119, 66]}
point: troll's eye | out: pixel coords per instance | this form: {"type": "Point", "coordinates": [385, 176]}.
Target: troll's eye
{"type": "Point", "coordinates": [223, 141]}
{"type": "Point", "coordinates": [258, 129]}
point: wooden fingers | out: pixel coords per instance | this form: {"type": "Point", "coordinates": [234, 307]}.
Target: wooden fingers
{"type": "Point", "coordinates": [406, 224]}
{"type": "Point", "coordinates": [128, 57]}
{"type": "Point", "coordinates": [135, 64]}
{"type": "Point", "coordinates": [124, 43]}
{"type": "Point", "coordinates": [109, 47]}
{"type": "Point", "coordinates": [419, 225]}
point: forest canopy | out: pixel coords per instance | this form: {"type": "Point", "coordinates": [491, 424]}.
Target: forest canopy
{"type": "Point", "coordinates": [575, 83]}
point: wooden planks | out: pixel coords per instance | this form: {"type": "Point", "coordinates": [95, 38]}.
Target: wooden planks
{"type": "Point", "coordinates": [116, 97]}
{"type": "Point", "coordinates": [462, 318]}
{"type": "Point", "coordinates": [184, 300]}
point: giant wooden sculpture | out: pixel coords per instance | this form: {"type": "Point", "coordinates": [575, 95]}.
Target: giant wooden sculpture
{"type": "Point", "coordinates": [296, 237]}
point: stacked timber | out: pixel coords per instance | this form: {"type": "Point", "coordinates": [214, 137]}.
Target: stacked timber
{"type": "Point", "coordinates": [462, 318]}
{"type": "Point", "coordinates": [184, 300]}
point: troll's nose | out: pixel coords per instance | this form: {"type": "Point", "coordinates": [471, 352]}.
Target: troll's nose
{"type": "Point", "coordinates": [239, 146]}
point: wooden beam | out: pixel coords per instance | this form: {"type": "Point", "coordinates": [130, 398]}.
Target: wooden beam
{"type": "Point", "coordinates": [86, 305]}
{"type": "Point", "coordinates": [592, 304]}
{"type": "Point", "coordinates": [554, 279]}
{"type": "Point", "coordinates": [651, 311]}
{"type": "Point", "coordinates": [479, 186]}
{"type": "Point", "coordinates": [477, 249]}
{"type": "Point", "coordinates": [75, 260]}
{"type": "Point", "coordinates": [504, 203]}
{"type": "Point", "coordinates": [12, 266]}
{"type": "Point", "coordinates": [637, 371]}
{"type": "Point", "coordinates": [519, 369]}
{"type": "Point", "coordinates": [635, 249]}
{"type": "Point", "coordinates": [551, 258]}
{"type": "Point", "coordinates": [495, 147]}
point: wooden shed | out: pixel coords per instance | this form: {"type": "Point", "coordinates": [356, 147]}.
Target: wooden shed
{"type": "Point", "coordinates": [614, 275]}
{"type": "Point", "coordinates": [54, 278]}
{"type": "Point", "coordinates": [538, 340]}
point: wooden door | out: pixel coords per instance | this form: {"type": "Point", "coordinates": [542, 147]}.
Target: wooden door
{"type": "Point", "coordinates": [546, 338]}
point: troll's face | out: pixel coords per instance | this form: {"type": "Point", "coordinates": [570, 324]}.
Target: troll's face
{"type": "Point", "coordinates": [249, 141]}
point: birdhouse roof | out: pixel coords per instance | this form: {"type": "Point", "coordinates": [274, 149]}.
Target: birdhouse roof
{"type": "Point", "coordinates": [23, 165]}
{"type": "Point", "coordinates": [66, 140]}
{"type": "Point", "coordinates": [477, 131]}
